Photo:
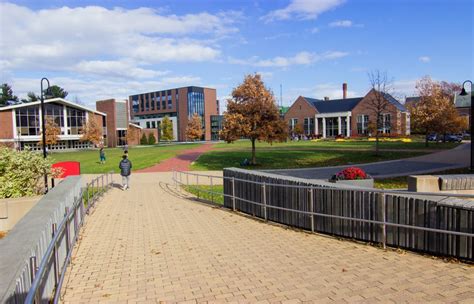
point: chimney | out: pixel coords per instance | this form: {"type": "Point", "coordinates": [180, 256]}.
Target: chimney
{"type": "Point", "coordinates": [344, 90]}
{"type": "Point", "coordinates": [326, 98]}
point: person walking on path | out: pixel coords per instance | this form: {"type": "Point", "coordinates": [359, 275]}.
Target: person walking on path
{"type": "Point", "coordinates": [125, 148]}
{"type": "Point", "coordinates": [125, 171]}
{"type": "Point", "coordinates": [102, 155]}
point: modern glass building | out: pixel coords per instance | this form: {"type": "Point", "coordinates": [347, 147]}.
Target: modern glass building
{"type": "Point", "coordinates": [148, 109]}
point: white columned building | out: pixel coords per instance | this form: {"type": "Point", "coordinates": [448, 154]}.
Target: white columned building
{"type": "Point", "coordinates": [333, 124]}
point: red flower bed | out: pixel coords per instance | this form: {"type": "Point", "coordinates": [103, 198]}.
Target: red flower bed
{"type": "Point", "coordinates": [351, 173]}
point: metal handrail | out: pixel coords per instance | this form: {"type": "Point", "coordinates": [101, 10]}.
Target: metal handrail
{"type": "Point", "coordinates": [382, 191]}
{"type": "Point", "coordinates": [45, 266]}
{"type": "Point", "coordinates": [265, 205]}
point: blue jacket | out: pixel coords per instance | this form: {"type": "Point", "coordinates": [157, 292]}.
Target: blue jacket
{"type": "Point", "coordinates": [125, 167]}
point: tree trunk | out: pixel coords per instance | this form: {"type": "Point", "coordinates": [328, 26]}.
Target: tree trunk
{"type": "Point", "coordinates": [254, 157]}
{"type": "Point", "coordinates": [426, 138]}
{"type": "Point", "coordinates": [376, 143]}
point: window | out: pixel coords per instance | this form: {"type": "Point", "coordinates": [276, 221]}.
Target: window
{"type": "Point", "coordinates": [142, 103]}
{"type": "Point", "coordinates": [362, 124]}
{"type": "Point", "coordinates": [158, 102]}
{"type": "Point", "coordinates": [292, 123]}
{"type": "Point", "coordinates": [147, 102]}
{"type": "Point", "coordinates": [135, 104]}
{"type": "Point", "coordinates": [153, 124]}
{"type": "Point", "coordinates": [170, 103]}
{"type": "Point", "coordinates": [386, 124]}
{"type": "Point", "coordinates": [308, 125]}
{"type": "Point", "coordinates": [76, 119]}
{"type": "Point", "coordinates": [153, 99]}
{"type": "Point", "coordinates": [163, 102]}
{"type": "Point", "coordinates": [27, 121]}
{"type": "Point", "coordinates": [148, 125]}
{"type": "Point", "coordinates": [55, 112]}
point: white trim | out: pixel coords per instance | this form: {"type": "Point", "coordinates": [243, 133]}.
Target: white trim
{"type": "Point", "coordinates": [15, 131]}
{"type": "Point", "coordinates": [333, 114]}
{"type": "Point", "coordinates": [135, 125]}
{"type": "Point", "coordinates": [57, 100]}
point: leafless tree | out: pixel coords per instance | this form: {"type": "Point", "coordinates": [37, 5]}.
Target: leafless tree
{"type": "Point", "coordinates": [378, 103]}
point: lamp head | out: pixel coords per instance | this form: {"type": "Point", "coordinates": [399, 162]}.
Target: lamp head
{"type": "Point", "coordinates": [48, 93]}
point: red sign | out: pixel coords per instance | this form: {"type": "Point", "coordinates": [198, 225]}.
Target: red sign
{"type": "Point", "coordinates": [69, 168]}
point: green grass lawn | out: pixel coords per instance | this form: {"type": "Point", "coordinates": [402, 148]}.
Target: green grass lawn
{"type": "Point", "coordinates": [304, 154]}
{"type": "Point", "coordinates": [274, 158]}
{"type": "Point", "coordinates": [141, 157]}
{"type": "Point", "coordinates": [332, 144]}
{"type": "Point", "coordinates": [201, 192]}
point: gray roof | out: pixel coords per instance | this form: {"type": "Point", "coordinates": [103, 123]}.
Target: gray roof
{"type": "Point", "coordinates": [395, 102]}
{"type": "Point", "coordinates": [334, 105]}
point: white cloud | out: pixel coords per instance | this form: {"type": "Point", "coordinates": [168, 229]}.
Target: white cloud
{"type": "Point", "coordinates": [90, 90]}
{"type": "Point", "coordinates": [302, 9]}
{"type": "Point", "coordinates": [341, 23]}
{"type": "Point", "coordinates": [314, 30]}
{"type": "Point", "coordinates": [424, 59]}
{"type": "Point", "coordinates": [301, 58]}
{"type": "Point", "coordinates": [344, 23]}
{"type": "Point", "coordinates": [59, 37]}
{"type": "Point", "coordinates": [405, 87]}
{"type": "Point", "coordinates": [119, 69]}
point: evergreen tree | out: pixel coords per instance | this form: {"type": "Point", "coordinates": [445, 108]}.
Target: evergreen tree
{"type": "Point", "coordinates": [166, 129]}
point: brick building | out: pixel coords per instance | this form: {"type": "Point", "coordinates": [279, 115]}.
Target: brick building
{"type": "Point", "coordinates": [347, 117]}
{"type": "Point", "coordinates": [148, 109]}
{"type": "Point", "coordinates": [20, 125]}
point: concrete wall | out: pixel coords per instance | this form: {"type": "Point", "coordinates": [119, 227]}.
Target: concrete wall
{"type": "Point", "coordinates": [31, 237]}
{"type": "Point", "coordinates": [13, 209]}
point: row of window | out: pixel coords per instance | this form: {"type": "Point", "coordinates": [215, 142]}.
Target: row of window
{"type": "Point", "coordinates": [384, 124]}
{"type": "Point", "coordinates": [28, 119]}
{"type": "Point", "coordinates": [154, 101]}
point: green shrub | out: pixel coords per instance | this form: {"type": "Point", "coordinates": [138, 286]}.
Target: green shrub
{"type": "Point", "coordinates": [151, 139]}
{"type": "Point", "coordinates": [143, 140]}
{"type": "Point", "coordinates": [21, 173]}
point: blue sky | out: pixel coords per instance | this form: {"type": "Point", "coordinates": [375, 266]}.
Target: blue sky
{"type": "Point", "coordinates": [113, 49]}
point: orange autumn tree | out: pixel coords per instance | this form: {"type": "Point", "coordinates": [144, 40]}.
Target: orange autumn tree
{"type": "Point", "coordinates": [52, 132]}
{"type": "Point", "coordinates": [252, 113]}
{"type": "Point", "coordinates": [132, 134]}
{"type": "Point", "coordinates": [435, 112]}
{"type": "Point", "coordinates": [92, 131]}
{"type": "Point", "coordinates": [194, 128]}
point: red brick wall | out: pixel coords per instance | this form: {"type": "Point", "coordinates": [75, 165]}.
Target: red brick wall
{"type": "Point", "coordinates": [6, 124]}
{"type": "Point", "coordinates": [300, 109]}
{"type": "Point", "coordinates": [182, 113]}
{"type": "Point", "coordinates": [362, 108]}
{"type": "Point", "coordinates": [210, 108]}
{"type": "Point", "coordinates": [108, 107]}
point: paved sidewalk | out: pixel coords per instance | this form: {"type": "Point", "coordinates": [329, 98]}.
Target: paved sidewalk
{"type": "Point", "coordinates": [151, 244]}
{"type": "Point", "coordinates": [439, 161]}
{"type": "Point", "coordinates": [181, 162]}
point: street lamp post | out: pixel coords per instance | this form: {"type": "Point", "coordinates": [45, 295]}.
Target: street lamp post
{"type": "Point", "coordinates": [43, 129]}
{"type": "Point", "coordinates": [471, 124]}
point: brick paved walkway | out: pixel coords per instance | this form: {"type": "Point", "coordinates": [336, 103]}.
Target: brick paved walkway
{"type": "Point", "coordinates": [150, 244]}
{"type": "Point", "coordinates": [180, 162]}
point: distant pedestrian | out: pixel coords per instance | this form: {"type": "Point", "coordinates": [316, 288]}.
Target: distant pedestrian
{"type": "Point", "coordinates": [125, 149]}
{"type": "Point", "coordinates": [125, 171]}
{"type": "Point", "coordinates": [102, 155]}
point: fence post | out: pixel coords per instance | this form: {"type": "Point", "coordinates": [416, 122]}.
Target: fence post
{"type": "Point", "coordinates": [68, 239]}
{"type": "Point", "coordinates": [187, 179]}
{"type": "Point", "coordinates": [197, 183]}
{"type": "Point", "coordinates": [264, 196]}
{"type": "Point", "coordinates": [102, 190]}
{"type": "Point", "coordinates": [233, 193]}
{"type": "Point", "coordinates": [33, 270]}
{"type": "Point", "coordinates": [212, 190]}
{"type": "Point", "coordinates": [384, 226]}
{"type": "Point", "coordinates": [311, 208]}
{"type": "Point", "coordinates": [55, 257]}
